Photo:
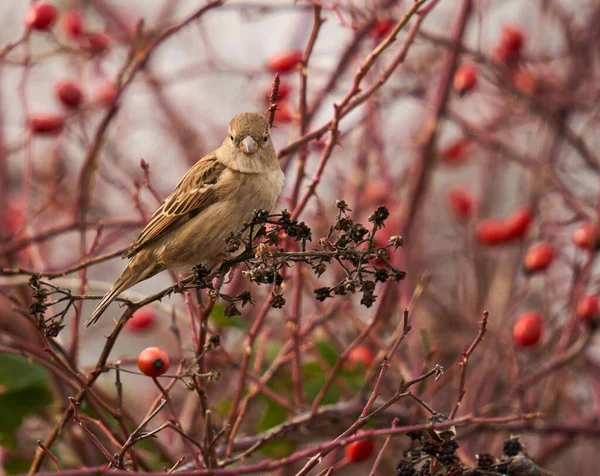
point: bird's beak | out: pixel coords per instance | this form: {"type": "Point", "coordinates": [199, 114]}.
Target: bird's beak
{"type": "Point", "coordinates": [248, 145]}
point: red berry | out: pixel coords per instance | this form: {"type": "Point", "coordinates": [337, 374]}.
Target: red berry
{"type": "Point", "coordinates": [46, 124]}
{"type": "Point", "coordinates": [284, 91]}
{"type": "Point", "coordinates": [465, 78]}
{"type": "Point", "coordinates": [97, 43]}
{"type": "Point", "coordinates": [153, 361]}
{"type": "Point", "coordinates": [455, 153]}
{"type": "Point", "coordinates": [141, 321]}
{"type": "Point", "coordinates": [539, 257]}
{"type": "Point", "coordinates": [381, 29]}
{"type": "Point", "coordinates": [460, 203]}
{"type": "Point", "coordinates": [283, 114]}
{"type": "Point", "coordinates": [69, 93]}
{"type": "Point", "coordinates": [585, 236]}
{"type": "Point", "coordinates": [588, 308]}
{"type": "Point", "coordinates": [360, 356]}
{"type": "Point", "coordinates": [524, 82]}
{"type": "Point", "coordinates": [512, 40]}
{"type": "Point", "coordinates": [527, 330]}
{"type": "Point", "coordinates": [491, 232]}
{"type": "Point", "coordinates": [14, 219]}
{"type": "Point", "coordinates": [518, 223]}
{"type": "Point", "coordinates": [73, 24]}
{"type": "Point", "coordinates": [106, 95]}
{"type": "Point", "coordinates": [41, 16]}
{"type": "Point", "coordinates": [285, 62]}
{"type": "Point", "coordinates": [359, 450]}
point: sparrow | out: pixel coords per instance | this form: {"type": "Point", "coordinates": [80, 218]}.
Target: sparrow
{"type": "Point", "coordinates": [213, 199]}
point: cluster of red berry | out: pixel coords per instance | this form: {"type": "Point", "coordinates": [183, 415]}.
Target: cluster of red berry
{"type": "Point", "coordinates": [42, 17]}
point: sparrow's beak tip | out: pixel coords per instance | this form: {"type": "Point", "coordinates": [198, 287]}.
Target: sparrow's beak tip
{"type": "Point", "coordinates": [248, 145]}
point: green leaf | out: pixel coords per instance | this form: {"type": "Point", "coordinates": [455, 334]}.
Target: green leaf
{"type": "Point", "coordinates": [273, 414]}
{"type": "Point", "coordinates": [219, 318]}
{"type": "Point", "coordinates": [16, 466]}
{"type": "Point", "coordinates": [14, 406]}
{"type": "Point", "coordinates": [314, 378]}
{"type": "Point", "coordinates": [278, 449]}
{"type": "Point", "coordinates": [18, 373]}
{"type": "Point", "coordinates": [327, 351]}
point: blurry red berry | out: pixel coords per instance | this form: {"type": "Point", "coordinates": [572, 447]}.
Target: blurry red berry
{"type": "Point", "coordinates": [46, 123]}
{"type": "Point", "coordinates": [527, 330]}
{"type": "Point", "coordinates": [153, 361]}
{"type": "Point", "coordinates": [518, 223]}
{"type": "Point", "coordinates": [376, 192]}
{"type": "Point", "coordinates": [511, 43]}
{"type": "Point", "coordinates": [69, 93]}
{"type": "Point", "coordinates": [524, 82]}
{"type": "Point", "coordinates": [539, 257]}
{"type": "Point", "coordinates": [460, 203]}
{"type": "Point", "coordinates": [359, 450]}
{"type": "Point", "coordinates": [588, 308]}
{"type": "Point", "coordinates": [284, 91]}
{"type": "Point", "coordinates": [585, 236]}
{"type": "Point", "coordinates": [141, 321]}
{"type": "Point", "coordinates": [360, 356]}
{"type": "Point", "coordinates": [14, 219]}
{"type": "Point", "coordinates": [491, 232]}
{"type": "Point", "coordinates": [381, 28]}
{"type": "Point", "coordinates": [456, 153]}
{"type": "Point", "coordinates": [285, 62]}
{"type": "Point", "coordinates": [465, 78]}
{"type": "Point", "coordinates": [72, 24]}
{"type": "Point", "coordinates": [41, 16]}
{"type": "Point", "coordinates": [283, 114]}
{"type": "Point", "coordinates": [97, 43]}
{"type": "Point", "coordinates": [106, 95]}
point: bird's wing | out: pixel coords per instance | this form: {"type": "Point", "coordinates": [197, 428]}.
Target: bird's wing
{"type": "Point", "coordinates": [196, 191]}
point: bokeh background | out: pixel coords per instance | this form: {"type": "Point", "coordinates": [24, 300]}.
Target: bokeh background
{"type": "Point", "coordinates": [520, 136]}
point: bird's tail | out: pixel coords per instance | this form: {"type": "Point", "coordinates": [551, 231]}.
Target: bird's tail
{"type": "Point", "coordinates": [125, 281]}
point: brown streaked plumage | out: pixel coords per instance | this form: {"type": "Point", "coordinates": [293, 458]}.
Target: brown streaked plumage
{"type": "Point", "coordinates": [214, 198]}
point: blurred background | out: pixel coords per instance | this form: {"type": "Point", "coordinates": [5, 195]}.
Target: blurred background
{"type": "Point", "coordinates": [477, 136]}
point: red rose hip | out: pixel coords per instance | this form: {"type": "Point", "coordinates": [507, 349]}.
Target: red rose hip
{"type": "Point", "coordinates": [360, 356]}
{"type": "Point", "coordinates": [41, 16]}
{"type": "Point", "coordinates": [527, 330]}
{"type": "Point", "coordinates": [460, 203]}
{"type": "Point", "coordinates": [285, 62]}
{"type": "Point", "coordinates": [72, 24]}
{"type": "Point", "coordinates": [491, 232]}
{"type": "Point", "coordinates": [585, 236]}
{"type": "Point", "coordinates": [539, 257]}
{"type": "Point", "coordinates": [141, 321]}
{"type": "Point", "coordinates": [359, 451]}
{"type": "Point", "coordinates": [465, 78]}
{"type": "Point", "coordinates": [46, 124]}
{"type": "Point", "coordinates": [69, 93]}
{"type": "Point", "coordinates": [153, 361]}
{"type": "Point", "coordinates": [588, 308]}
{"type": "Point", "coordinates": [518, 223]}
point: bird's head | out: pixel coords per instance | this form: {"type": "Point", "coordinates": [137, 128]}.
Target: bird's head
{"type": "Point", "coordinates": [249, 133]}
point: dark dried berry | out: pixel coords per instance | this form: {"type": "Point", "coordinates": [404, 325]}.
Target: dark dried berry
{"type": "Point", "coordinates": [484, 460]}
{"type": "Point", "coordinates": [277, 301]}
{"type": "Point", "coordinates": [245, 297]}
{"type": "Point", "coordinates": [415, 435]}
{"type": "Point", "coordinates": [342, 206]}
{"type": "Point", "coordinates": [231, 310]}
{"type": "Point", "coordinates": [522, 466]}
{"type": "Point", "coordinates": [260, 216]}
{"type": "Point", "coordinates": [214, 341]}
{"type": "Point", "coordinates": [381, 275]}
{"type": "Point", "coordinates": [379, 216]}
{"type": "Point", "coordinates": [358, 232]}
{"type": "Point", "coordinates": [425, 469]}
{"type": "Point", "coordinates": [368, 286]}
{"type": "Point", "coordinates": [368, 299]}
{"type": "Point", "coordinates": [512, 446]}
{"type": "Point", "coordinates": [322, 293]}
{"type": "Point", "coordinates": [319, 268]}
{"type": "Point", "coordinates": [405, 469]}
{"type": "Point", "coordinates": [430, 448]}
{"type": "Point", "coordinates": [344, 224]}
{"type": "Point", "coordinates": [233, 243]}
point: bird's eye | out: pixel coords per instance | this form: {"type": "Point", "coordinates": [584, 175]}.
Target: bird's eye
{"type": "Point", "coordinates": [266, 138]}
{"type": "Point", "coordinates": [231, 137]}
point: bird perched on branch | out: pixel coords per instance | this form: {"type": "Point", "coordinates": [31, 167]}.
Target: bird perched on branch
{"type": "Point", "coordinates": [214, 199]}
